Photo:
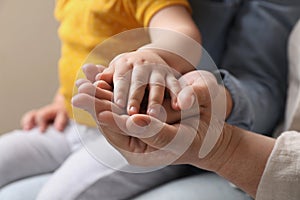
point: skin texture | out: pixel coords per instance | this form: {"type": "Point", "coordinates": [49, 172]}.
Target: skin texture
{"type": "Point", "coordinates": [54, 113]}
{"type": "Point", "coordinates": [131, 73]}
{"type": "Point", "coordinates": [239, 156]}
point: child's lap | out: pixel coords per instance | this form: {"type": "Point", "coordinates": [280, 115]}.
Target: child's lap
{"type": "Point", "coordinates": [29, 153]}
{"type": "Point", "coordinates": [74, 172]}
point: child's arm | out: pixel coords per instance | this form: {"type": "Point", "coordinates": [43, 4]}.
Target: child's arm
{"type": "Point", "coordinates": [175, 42]}
{"type": "Point", "coordinates": [176, 38]}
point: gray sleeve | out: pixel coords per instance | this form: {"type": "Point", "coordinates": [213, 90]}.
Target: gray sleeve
{"type": "Point", "coordinates": [242, 114]}
{"type": "Point", "coordinates": [255, 64]}
{"type": "Point", "coordinates": [247, 39]}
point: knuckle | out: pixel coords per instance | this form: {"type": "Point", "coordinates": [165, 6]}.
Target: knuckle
{"type": "Point", "coordinates": [122, 77]}
{"type": "Point", "coordinates": [158, 80]}
{"type": "Point", "coordinates": [157, 86]}
{"type": "Point", "coordinates": [173, 82]}
{"type": "Point", "coordinates": [139, 82]}
{"type": "Point", "coordinates": [40, 115]}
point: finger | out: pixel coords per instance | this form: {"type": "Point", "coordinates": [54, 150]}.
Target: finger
{"type": "Point", "coordinates": [170, 142]}
{"type": "Point", "coordinates": [114, 122]}
{"type": "Point", "coordinates": [114, 129]}
{"type": "Point", "coordinates": [174, 88]}
{"type": "Point", "coordinates": [175, 116]}
{"type": "Point", "coordinates": [189, 78]}
{"type": "Point", "coordinates": [43, 118]}
{"type": "Point", "coordinates": [61, 121]}
{"type": "Point", "coordinates": [28, 121]}
{"type": "Point", "coordinates": [122, 79]}
{"type": "Point", "coordinates": [124, 124]}
{"type": "Point", "coordinates": [90, 89]}
{"type": "Point", "coordinates": [94, 105]}
{"type": "Point", "coordinates": [148, 129]}
{"type": "Point", "coordinates": [139, 82]}
{"type": "Point", "coordinates": [107, 76]}
{"type": "Point", "coordinates": [91, 70]}
{"type": "Point", "coordinates": [156, 93]}
{"type": "Point", "coordinates": [202, 89]}
{"type": "Point", "coordinates": [186, 98]}
{"type": "Point", "coordinates": [103, 85]}
{"type": "Point", "coordinates": [173, 138]}
{"type": "Point", "coordinates": [172, 115]}
{"type": "Point", "coordinates": [43, 126]}
{"type": "Point", "coordinates": [79, 82]}
{"type": "Point", "coordinates": [151, 130]}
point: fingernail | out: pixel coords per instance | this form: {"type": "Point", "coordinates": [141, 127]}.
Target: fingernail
{"type": "Point", "coordinates": [153, 112]}
{"type": "Point", "coordinates": [133, 110]}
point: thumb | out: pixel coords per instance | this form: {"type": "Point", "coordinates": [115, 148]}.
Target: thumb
{"type": "Point", "coordinates": [150, 130]}
{"type": "Point", "coordinates": [143, 126]}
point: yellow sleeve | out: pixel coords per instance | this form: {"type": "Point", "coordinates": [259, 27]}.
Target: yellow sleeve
{"type": "Point", "coordinates": [59, 9]}
{"type": "Point", "coordinates": [146, 9]}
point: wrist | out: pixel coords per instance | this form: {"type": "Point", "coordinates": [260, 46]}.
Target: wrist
{"type": "Point", "coordinates": [179, 64]}
{"type": "Point", "coordinates": [183, 46]}
{"type": "Point", "coordinates": [245, 165]}
{"type": "Point", "coordinates": [222, 151]}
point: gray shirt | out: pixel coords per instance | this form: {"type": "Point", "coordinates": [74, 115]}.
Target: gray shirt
{"type": "Point", "coordinates": [281, 177]}
{"type": "Point", "coordinates": [247, 39]}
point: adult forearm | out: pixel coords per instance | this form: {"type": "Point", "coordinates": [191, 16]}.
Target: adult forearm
{"type": "Point", "coordinates": [247, 156]}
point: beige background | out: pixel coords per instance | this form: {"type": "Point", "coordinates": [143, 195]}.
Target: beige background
{"type": "Point", "coordinates": [29, 50]}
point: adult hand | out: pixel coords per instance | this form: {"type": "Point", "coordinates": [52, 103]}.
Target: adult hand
{"type": "Point", "coordinates": [144, 140]}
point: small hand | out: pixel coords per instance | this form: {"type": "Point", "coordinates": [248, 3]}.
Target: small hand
{"type": "Point", "coordinates": [54, 113]}
{"type": "Point", "coordinates": [131, 73]}
{"type": "Point", "coordinates": [199, 88]}
{"type": "Point", "coordinates": [152, 135]}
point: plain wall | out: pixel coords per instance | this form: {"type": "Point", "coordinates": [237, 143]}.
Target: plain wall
{"type": "Point", "coordinates": [29, 51]}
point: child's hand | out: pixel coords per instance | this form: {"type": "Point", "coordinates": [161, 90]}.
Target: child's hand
{"type": "Point", "coordinates": [54, 113]}
{"type": "Point", "coordinates": [132, 72]}
{"type": "Point", "coordinates": [198, 90]}
{"type": "Point", "coordinates": [197, 123]}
